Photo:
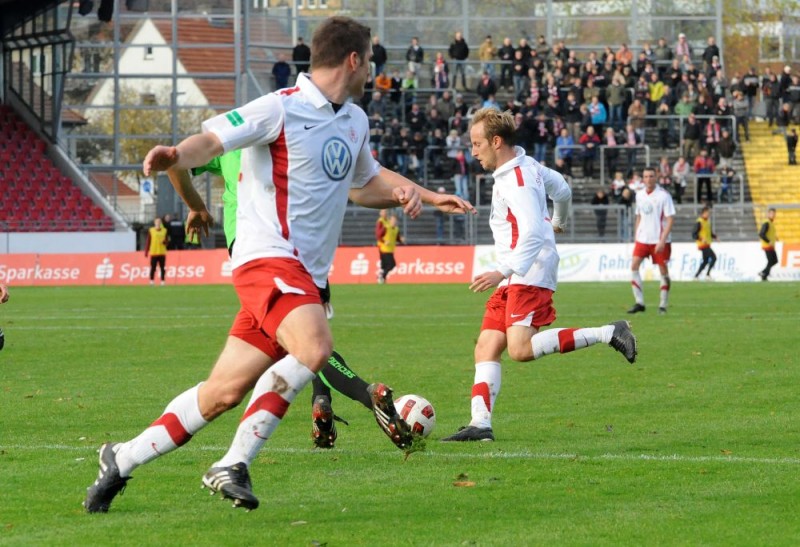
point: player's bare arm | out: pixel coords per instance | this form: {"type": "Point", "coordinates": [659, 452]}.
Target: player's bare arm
{"type": "Point", "coordinates": [199, 220]}
{"type": "Point", "coordinates": [447, 203]}
{"type": "Point", "coordinates": [377, 194]}
{"type": "Point", "coordinates": [486, 281]}
{"type": "Point", "coordinates": [662, 242]}
{"type": "Point", "coordinates": [193, 151]}
{"type": "Point", "coordinates": [3, 293]}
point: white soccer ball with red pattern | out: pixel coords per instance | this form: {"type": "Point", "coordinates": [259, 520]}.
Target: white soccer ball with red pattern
{"type": "Point", "coordinates": [417, 412]}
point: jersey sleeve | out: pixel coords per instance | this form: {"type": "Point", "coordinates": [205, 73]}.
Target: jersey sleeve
{"type": "Point", "coordinates": [559, 191]}
{"type": "Point", "coordinates": [367, 166]}
{"type": "Point", "coordinates": [669, 205]}
{"type": "Point", "coordinates": [530, 226]}
{"type": "Point", "coordinates": [258, 122]}
{"type": "Point", "coordinates": [212, 167]}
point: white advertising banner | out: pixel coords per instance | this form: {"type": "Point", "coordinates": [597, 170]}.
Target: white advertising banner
{"type": "Point", "coordinates": [739, 261]}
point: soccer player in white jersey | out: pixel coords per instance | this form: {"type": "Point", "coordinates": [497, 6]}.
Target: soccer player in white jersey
{"type": "Point", "coordinates": [655, 213]}
{"type": "Point", "coordinates": [305, 151]}
{"type": "Point", "coordinates": [527, 269]}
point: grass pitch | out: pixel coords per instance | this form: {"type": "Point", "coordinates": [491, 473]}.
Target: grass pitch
{"type": "Point", "coordinates": [698, 443]}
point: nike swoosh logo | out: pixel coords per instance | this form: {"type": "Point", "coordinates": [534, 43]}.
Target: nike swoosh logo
{"type": "Point", "coordinates": [516, 315]}
{"type": "Point", "coordinates": [309, 126]}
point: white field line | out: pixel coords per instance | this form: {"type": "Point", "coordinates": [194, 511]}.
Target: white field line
{"type": "Point", "coordinates": [677, 458]}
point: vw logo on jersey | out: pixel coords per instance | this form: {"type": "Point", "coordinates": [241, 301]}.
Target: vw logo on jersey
{"type": "Point", "coordinates": [336, 158]}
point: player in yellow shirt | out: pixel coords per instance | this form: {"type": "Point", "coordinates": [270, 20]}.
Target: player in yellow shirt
{"type": "Point", "coordinates": [388, 238]}
{"type": "Point", "coordinates": [703, 235]}
{"type": "Point", "coordinates": [769, 236]}
{"type": "Point", "coordinates": [156, 248]}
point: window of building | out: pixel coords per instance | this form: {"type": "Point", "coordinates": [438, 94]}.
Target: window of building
{"type": "Point", "coordinates": [148, 53]}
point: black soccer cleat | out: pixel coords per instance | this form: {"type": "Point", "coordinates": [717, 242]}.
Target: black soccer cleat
{"type": "Point", "coordinates": [624, 341]}
{"type": "Point", "coordinates": [108, 484]}
{"type": "Point", "coordinates": [471, 433]}
{"type": "Point", "coordinates": [323, 428]}
{"type": "Point", "coordinates": [232, 483]}
{"type": "Point", "coordinates": [636, 308]}
{"type": "Point", "coordinates": [387, 417]}
{"type": "Point", "coordinates": [662, 311]}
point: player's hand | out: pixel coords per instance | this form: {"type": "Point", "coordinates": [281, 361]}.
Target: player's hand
{"type": "Point", "coordinates": [3, 293]}
{"type": "Point", "coordinates": [159, 158]}
{"type": "Point", "coordinates": [559, 227]}
{"type": "Point", "coordinates": [450, 203]}
{"type": "Point", "coordinates": [198, 222]}
{"type": "Point", "coordinates": [660, 247]}
{"type": "Point", "coordinates": [486, 281]}
{"type": "Point", "coordinates": [408, 197]}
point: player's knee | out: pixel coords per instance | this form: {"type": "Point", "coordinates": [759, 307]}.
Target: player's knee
{"type": "Point", "coordinates": [520, 352]}
{"type": "Point", "coordinates": [315, 356]}
{"type": "Point", "coordinates": [487, 352]}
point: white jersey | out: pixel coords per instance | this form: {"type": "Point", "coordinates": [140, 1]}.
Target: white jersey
{"type": "Point", "coordinates": [524, 241]}
{"type": "Point", "coordinates": [299, 161]}
{"type": "Point", "coordinates": [653, 208]}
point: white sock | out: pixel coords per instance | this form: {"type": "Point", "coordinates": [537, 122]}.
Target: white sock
{"type": "Point", "coordinates": [484, 392]}
{"type": "Point", "coordinates": [566, 340]}
{"type": "Point", "coordinates": [180, 420]}
{"type": "Point", "coordinates": [665, 291]}
{"type": "Point", "coordinates": [636, 284]}
{"type": "Point", "coordinates": [274, 392]}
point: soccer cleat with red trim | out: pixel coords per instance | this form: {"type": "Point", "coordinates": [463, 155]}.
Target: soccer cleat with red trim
{"type": "Point", "coordinates": [233, 483]}
{"type": "Point", "coordinates": [108, 484]}
{"type": "Point", "coordinates": [323, 428]}
{"type": "Point", "coordinates": [636, 308]}
{"type": "Point", "coordinates": [624, 341]}
{"type": "Point", "coordinates": [386, 415]}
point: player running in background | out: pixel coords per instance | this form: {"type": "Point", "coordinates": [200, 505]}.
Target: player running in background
{"type": "Point", "coordinates": [336, 374]}
{"type": "Point", "coordinates": [527, 269]}
{"type": "Point", "coordinates": [305, 152]}
{"type": "Point", "coordinates": [655, 213]}
{"type": "Point", "coordinates": [703, 235]}
{"type": "Point", "coordinates": [3, 300]}
{"type": "Point", "coordinates": [388, 236]}
{"type": "Point", "coordinates": [769, 237]}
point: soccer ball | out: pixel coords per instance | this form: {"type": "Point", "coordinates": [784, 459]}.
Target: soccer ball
{"type": "Point", "coordinates": [417, 412]}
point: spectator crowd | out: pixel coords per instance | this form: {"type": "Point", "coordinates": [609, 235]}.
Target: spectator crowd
{"type": "Point", "coordinates": [570, 108]}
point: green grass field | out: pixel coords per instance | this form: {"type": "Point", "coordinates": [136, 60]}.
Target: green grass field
{"type": "Point", "coordinates": [698, 443]}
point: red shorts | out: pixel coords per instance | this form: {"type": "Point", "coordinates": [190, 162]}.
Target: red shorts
{"type": "Point", "coordinates": [268, 289]}
{"type": "Point", "coordinates": [644, 250]}
{"type": "Point", "coordinates": [519, 305]}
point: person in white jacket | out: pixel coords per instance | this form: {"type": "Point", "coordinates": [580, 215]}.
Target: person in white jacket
{"type": "Point", "coordinates": [526, 272]}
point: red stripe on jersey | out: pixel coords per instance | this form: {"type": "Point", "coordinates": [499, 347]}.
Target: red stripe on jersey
{"type": "Point", "coordinates": [514, 228]}
{"type": "Point", "coordinates": [280, 177]}
{"type": "Point", "coordinates": [566, 340]}
{"type": "Point", "coordinates": [174, 427]}
{"type": "Point", "coordinates": [289, 91]}
{"type": "Point", "coordinates": [482, 390]}
{"type": "Point", "coordinates": [520, 180]}
{"type": "Point", "coordinates": [271, 402]}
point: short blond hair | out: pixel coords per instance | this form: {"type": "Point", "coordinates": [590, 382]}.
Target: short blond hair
{"type": "Point", "coordinates": [495, 124]}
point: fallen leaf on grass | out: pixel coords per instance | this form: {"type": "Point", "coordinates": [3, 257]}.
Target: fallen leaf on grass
{"type": "Point", "coordinates": [464, 484]}
{"type": "Point", "coordinates": [299, 523]}
{"type": "Point", "coordinates": [726, 452]}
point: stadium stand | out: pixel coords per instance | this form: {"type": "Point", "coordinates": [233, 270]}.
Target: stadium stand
{"type": "Point", "coordinates": [38, 197]}
{"type": "Point", "coordinates": [771, 179]}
